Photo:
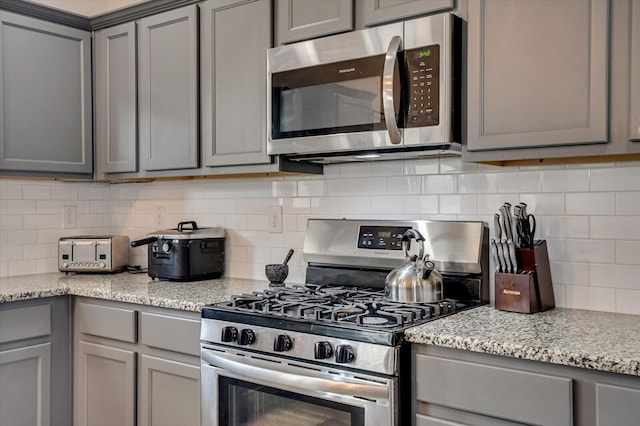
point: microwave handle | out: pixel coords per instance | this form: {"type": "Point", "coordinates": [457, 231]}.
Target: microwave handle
{"type": "Point", "coordinates": [388, 95]}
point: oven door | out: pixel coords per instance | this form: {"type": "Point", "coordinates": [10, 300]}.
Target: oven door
{"type": "Point", "coordinates": [243, 388]}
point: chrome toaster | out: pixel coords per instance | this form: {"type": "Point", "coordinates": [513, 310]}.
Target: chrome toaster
{"type": "Point", "coordinates": [93, 253]}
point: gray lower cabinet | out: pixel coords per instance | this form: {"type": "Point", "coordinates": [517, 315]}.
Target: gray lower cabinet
{"type": "Point", "coordinates": [234, 39]}
{"type": "Point", "coordinates": [634, 93]}
{"type": "Point", "coordinates": [168, 89]}
{"type": "Point", "coordinates": [35, 371]}
{"type": "Point", "coordinates": [297, 20]}
{"type": "Point", "coordinates": [456, 387]}
{"type": "Point", "coordinates": [135, 365]}
{"type": "Point", "coordinates": [375, 12]}
{"type": "Point", "coordinates": [556, 92]}
{"type": "Point", "coordinates": [116, 106]}
{"type": "Point", "coordinates": [45, 97]}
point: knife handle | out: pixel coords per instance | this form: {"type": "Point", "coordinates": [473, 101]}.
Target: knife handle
{"type": "Point", "coordinates": [494, 255]}
{"type": "Point", "coordinates": [506, 257]}
{"type": "Point", "coordinates": [512, 255]}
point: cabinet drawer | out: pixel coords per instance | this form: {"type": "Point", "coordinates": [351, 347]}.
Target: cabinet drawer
{"type": "Point", "coordinates": [105, 321]}
{"type": "Point", "coordinates": [170, 333]}
{"type": "Point", "coordinates": [25, 323]}
{"type": "Point", "coordinates": [616, 405]}
{"type": "Point", "coordinates": [492, 391]}
{"type": "Point", "coordinates": [433, 421]}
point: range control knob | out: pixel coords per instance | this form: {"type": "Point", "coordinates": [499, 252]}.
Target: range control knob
{"type": "Point", "coordinates": [344, 354]}
{"type": "Point", "coordinates": [166, 247]}
{"type": "Point", "coordinates": [246, 336]}
{"type": "Point", "coordinates": [322, 350]}
{"type": "Point", "coordinates": [282, 343]}
{"type": "Point", "coordinates": [229, 334]}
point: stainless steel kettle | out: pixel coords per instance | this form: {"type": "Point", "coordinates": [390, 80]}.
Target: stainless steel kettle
{"type": "Point", "coordinates": [417, 281]}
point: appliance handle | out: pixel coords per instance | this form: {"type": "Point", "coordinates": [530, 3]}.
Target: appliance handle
{"type": "Point", "coordinates": [296, 381]}
{"type": "Point", "coordinates": [388, 94]}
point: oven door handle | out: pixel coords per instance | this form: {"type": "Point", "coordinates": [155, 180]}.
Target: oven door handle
{"type": "Point", "coordinates": [297, 381]}
{"type": "Point", "coordinates": [388, 95]}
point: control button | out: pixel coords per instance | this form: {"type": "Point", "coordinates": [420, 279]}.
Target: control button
{"type": "Point", "coordinates": [322, 350]}
{"type": "Point", "coordinates": [246, 336]}
{"type": "Point", "coordinates": [344, 354]}
{"type": "Point", "coordinates": [166, 247]}
{"type": "Point", "coordinates": [282, 343]}
{"type": "Point", "coordinates": [65, 256]}
{"type": "Point", "coordinates": [229, 334]}
{"type": "Point", "coordinates": [103, 265]}
{"type": "Point", "coordinates": [65, 265]}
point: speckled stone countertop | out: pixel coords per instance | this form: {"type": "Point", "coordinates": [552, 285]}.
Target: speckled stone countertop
{"type": "Point", "coordinates": [586, 339]}
{"type": "Point", "coordinates": [125, 287]}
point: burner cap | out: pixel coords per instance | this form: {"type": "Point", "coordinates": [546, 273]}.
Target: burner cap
{"type": "Point", "coordinates": [374, 320]}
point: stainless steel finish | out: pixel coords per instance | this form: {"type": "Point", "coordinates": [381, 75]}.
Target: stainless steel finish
{"type": "Point", "coordinates": [503, 265]}
{"type": "Point", "coordinates": [454, 246]}
{"type": "Point", "coordinates": [93, 253]}
{"type": "Point", "coordinates": [370, 357]}
{"type": "Point", "coordinates": [280, 378]}
{"type": "Point", "coordinates": [188, 234]}
{"type": "Point", "coordinates": [377, 395]}
{"type": "Point", "coordinates": [326, 149]}
{"type": "Point", "coordinates": [505, 256]}
{"type": "Point", "coordinates": [497, 227]}
{"type": "Point", "coordinates": [494, 254]}
{"type": "Point", "coordinates": [512, 256]}
{"type": "Point", "coordinates": [388, 96]}
{"type": "Point", "coordinates": [506, 220]}
{"type": "Point", "coordinates": [435, 29]}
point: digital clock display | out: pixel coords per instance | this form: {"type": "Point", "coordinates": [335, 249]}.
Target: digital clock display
{"type": "Point", "coordinates": [424, 53]}
{"type": "Point", "coordinates": [384, 234]}
{"type": "Point", "coordinates": [381, 237]}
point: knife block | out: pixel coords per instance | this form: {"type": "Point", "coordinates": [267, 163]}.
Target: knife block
{"type": "Point", "coordinates": [531, 290]}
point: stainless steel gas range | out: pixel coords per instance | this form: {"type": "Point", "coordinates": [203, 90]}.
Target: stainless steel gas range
{"type": "Point", "coordinates": [331, 351]}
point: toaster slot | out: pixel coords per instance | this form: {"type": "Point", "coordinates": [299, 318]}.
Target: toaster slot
{"type": "Point", "coordinates": [84, 251]}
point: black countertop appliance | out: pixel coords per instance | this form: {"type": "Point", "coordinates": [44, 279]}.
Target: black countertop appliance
{"type": "Point", "coordinates": [185, 253]}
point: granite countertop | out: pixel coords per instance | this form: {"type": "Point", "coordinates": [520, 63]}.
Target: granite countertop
{"type": "Point", "coordinates": [587, 339]}
{"type": "Point", "coordinates": [126, 287]}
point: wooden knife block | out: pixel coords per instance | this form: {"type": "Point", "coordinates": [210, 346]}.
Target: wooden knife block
{"type": "Point", "coordinates": [531, 290]}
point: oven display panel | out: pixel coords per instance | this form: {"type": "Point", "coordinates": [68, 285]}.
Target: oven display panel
{"type": "Point", "coordinates": [381, 237]}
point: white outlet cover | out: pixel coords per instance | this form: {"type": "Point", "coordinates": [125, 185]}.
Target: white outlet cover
{"type": "Point", "coordinates": [275, 219]}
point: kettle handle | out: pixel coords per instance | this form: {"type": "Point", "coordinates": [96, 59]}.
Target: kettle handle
{"type": "Point", "coordinates": [406, 243]}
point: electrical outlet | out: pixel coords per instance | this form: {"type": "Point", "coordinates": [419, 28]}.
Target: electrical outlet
{"type": "Point", "coordinates": [275, 219]}
{"type": "Point", "coordinates": [158, 216]}
{"type": "Point", "coordinates": [69, 214]}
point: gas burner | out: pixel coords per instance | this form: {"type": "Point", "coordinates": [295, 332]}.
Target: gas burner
{"type": "Point", "coordinates": [365, 320]}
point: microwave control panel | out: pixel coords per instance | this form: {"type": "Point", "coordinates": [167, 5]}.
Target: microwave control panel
{"type": "Point", "coordinates": [423, 71]}
{"type": "Point", "coordinates": [381, 237]}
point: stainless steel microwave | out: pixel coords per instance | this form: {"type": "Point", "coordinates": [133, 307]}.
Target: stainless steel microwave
{"type": "Point", "coordinates": [381, 93]}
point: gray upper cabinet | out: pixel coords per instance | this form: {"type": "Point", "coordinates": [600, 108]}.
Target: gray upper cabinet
{"type": "Point", "coordinates": [168, 89]}
{"type": "Point", "coordinates": [297, 20]}
{"type": "Point", "coordinates": [45, 97]}
{"type": "Point", "coordinates": [234, 40]}
{"type": "Point", "coordinates": [376, 12]}
{"type": "Point", "coordinates": [556, 91]}
{"type": "Point", "coordinates": [115, 88]}
{"type": "Point", "coordinates": [634, 122]}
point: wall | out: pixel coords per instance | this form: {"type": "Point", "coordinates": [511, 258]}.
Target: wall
{"type": "Point", "coordinates": [590, 215]}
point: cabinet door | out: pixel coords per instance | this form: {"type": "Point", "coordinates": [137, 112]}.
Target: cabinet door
{"type": "Point", "coordinates": [537, 75]}
{"type": "Point", "coordinates": [634, 122]}
{"type": "Point", "coordinates": [301, 20]}
{"type": "Point", "coordinates": [25, 391]}
{"type": "Point", "coordinates": [104, 386]}
{"type": "Point", "coordinates": [234, 42]}
{"type": "Point", "coordinates": [168, 90]}
{"type": "Point", "coordinates": [45, 96]}
{"type": "Point", "coordinates": [169, 392]}
{"type": "Point", "coordinates": [616, 405]}
{"type": "Point", "coordinates": [116, 125]}
{"type": "Point", "coordinates": [381, 11]}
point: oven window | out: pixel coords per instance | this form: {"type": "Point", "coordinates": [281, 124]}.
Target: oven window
{"type": "Point", "coordinates": [244, 403]}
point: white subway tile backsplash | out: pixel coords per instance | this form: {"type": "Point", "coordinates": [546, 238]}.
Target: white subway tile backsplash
{"type": "Point", "coordinates": [590, 204]}
{"type": "Point", "coordinates": [618, 276]}
{"type": "Point", "coordinates": [628, 252]}
{"type": "Point", "coordinates": [628, 301]}
{"type": "Point", "coordinates": [591, 298]}
{"type": "Point", "coordinates": [565, 180]}
{"type": "Point", "coordinates": [518, 182]}
{"type": "Point", "coordinates": [616, 179]}
{"type": "Point", "coordinates": [592, 251]}
{"type": "Point", "coordinates": [615, 227]}
{"type": "Point", "coordinates": [628, 203]}
{"type": "Point", "coordinates": [440, 184]}
{"type": "Point", "coordinates": [589, 214]}
{"type": "Point", "coordinates": [479, 183]}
